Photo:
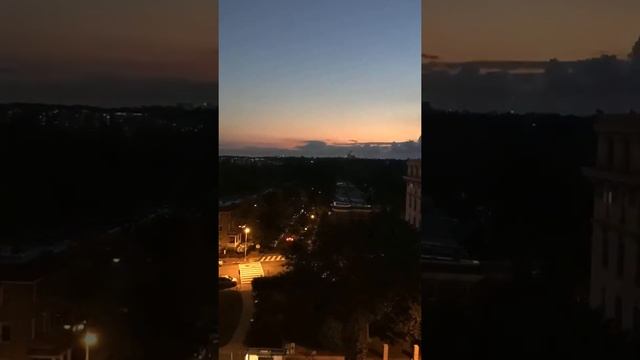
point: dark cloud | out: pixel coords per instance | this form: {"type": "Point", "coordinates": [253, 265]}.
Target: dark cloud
{"type": "Point", "coordinates": [578, 87]}
{"type": "Point", "coordinates": [317, 148]}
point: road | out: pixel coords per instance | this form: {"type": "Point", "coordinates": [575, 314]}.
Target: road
{"type": "Point", "coordinates": [236, 349]}
{"type": "Point", "coordinates": [269, 266]}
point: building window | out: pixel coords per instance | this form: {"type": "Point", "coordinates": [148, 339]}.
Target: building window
{"type": "Point", "coordinates": [612, 196]}
{"type": "Point", "coordinates": [5, 333]}
{"type": "Point", "coordinates": [621, 258]}
{"type": "Point", "coordinates": [626, 164]}
{"type": "Point", "coordinates": [609, 152]}
{"type": "Point", "coordinates": [638, 264]}
{"type": "Point", "coordinates": [605, 250]}
{"type": "Point", "coordinates": [618, 311]}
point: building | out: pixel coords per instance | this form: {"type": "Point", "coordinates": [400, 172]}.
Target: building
{"type": "Point", "coordinates": [228, 231]}
{"type": "Point", "coordinates": [447, 269]}
{"type": "Point", "coordinates": [413, 205]}
{"type": "Point", "coordinates": [615, 241]}
{"type": "Point", "coordinates": [33, 315]}
{"type": "Point", "coordinates": [349, 199]}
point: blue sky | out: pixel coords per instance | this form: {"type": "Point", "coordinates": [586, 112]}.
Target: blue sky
{"type": "Point", "coordinates": [336, 71]}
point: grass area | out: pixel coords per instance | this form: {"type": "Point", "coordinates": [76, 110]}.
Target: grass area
{"type": "Point", "coordinates": [230, 311]}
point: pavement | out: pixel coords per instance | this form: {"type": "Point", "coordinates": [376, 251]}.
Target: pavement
{"type": "Point", "coordinates": [235, 349]}
{"type": "Point", "coordinates": [271, 264]}
{"type": "Point", "coordinates": [236, 344]}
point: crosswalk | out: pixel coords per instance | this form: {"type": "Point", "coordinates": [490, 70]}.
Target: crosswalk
{"type": "Point", "coordinates": [271, 258]}
{"type": "Point", "coordinates": [250, 271]}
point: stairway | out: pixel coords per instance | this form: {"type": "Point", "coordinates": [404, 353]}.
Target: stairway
{"type": "Point", "coordinates": [250, 271]}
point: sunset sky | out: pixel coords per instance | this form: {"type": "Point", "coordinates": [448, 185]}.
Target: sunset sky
{"type": "Point", "coordinates": [78, 51]}
{"type": "Point", "coordinates": [464, 30]}
{"type": "Point", "coordinates": [332, 72]}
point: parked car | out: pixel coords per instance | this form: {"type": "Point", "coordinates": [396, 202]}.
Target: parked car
{"type": "Point", "coordinates": [226, 282]}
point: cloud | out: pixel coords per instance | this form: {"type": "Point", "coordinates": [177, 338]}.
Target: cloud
{"type": "Point", "coordinates": [318, 148]}
{"type": "Point", "coordinates": [577, 87]}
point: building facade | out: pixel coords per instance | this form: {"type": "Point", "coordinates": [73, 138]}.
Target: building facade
{"type": "Point", "coordinates": [413, 204]}
{"type": "Point", "coordinates": [615, 242]}
{"type": "Point", "coordinates": [229, 236]}
{"type": "Point", "coordinates": [32, 315]}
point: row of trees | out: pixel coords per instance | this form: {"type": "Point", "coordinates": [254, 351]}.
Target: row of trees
{"type": "Point", "coordinates": [362, 277]}
{"type": "Point", "coordinates": [59, 178]}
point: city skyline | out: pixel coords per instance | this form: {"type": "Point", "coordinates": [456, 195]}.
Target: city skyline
{"type": "Point", "coordinates": [317, 78]}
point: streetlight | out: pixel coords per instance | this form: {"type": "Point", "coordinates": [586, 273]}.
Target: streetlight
{"type": "Point", "coordinates": [313, 216]}
{"type": "Point", "coordinates": [247, 230]}
{"type": "Point", "coordinates": [89, 339]}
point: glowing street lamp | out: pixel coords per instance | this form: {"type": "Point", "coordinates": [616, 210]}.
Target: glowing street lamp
{"type": "Point", "coordinates": [89, 339]}
{"type": "Point", "coordinates": [247, 230]}
{"type": "Point", "coordinates": [313, 216]}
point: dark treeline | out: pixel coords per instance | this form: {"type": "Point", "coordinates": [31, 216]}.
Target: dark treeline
{"type": "Point", "coordinates": [519, 175]}
{"type": "Point", "coordinates": [382, 180]}
{"type": "Point", "coordinates": [94, 172]}
{"type": "Point", "coordinates": [69, 174]}
{"type": "Point", "coordinates": [515, 183]}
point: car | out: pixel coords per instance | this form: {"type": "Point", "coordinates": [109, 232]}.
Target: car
{"type": "Point", "coordinates": [226, 282]}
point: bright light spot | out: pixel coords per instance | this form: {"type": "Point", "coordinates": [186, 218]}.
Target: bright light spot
{"type": "Point", "coordinates": [90, 338]}
{"type": "Point", "coordinates": [67, 327]}
{"type": "Point", "coordinates": [116, 260]}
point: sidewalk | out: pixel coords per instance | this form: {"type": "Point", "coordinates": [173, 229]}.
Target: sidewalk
{"type": "Point", "coordinates": [236, 345]}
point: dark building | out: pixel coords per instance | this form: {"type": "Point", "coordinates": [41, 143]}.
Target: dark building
{"type": "Point", "coordinates": [413, 205]}
{"type": "Point", "coordinates": [349, 200]}
{"type": "Point", "coordinates": [33, 315]}
{"type": "Point", "coordinates": [615, 245]}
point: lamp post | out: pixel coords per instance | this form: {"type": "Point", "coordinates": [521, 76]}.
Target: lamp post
{"type": "Point", "coordinates": [246, 239]}
{"type": "Point", "coordinates": [89, 339]}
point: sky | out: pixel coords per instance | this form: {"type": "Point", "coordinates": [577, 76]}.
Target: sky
{"type": "Point", "coordinates": [464, 30]}
{"type": "Point", "coordinates": [109, 53]}
{"type": "Point", "coordinates": [319, 77]}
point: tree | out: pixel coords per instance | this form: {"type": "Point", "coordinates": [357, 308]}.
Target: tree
{"type": "Point", "coordinates": [331, 334]}
{"type": "Point", "coordinates": [635, 51]}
